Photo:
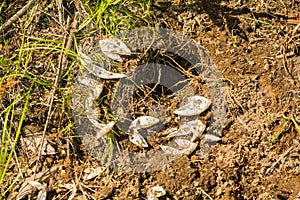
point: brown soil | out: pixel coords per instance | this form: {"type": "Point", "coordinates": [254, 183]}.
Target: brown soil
{"type": "Point", "coordinates": [257, 52]}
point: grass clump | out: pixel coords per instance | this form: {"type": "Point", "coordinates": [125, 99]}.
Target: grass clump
{"type": "Point", "coordinates": [10, 136]}
{"type": "Point", "coordinates": [30, 68]}
{"type": "Point", "coordinates": [111, 17]}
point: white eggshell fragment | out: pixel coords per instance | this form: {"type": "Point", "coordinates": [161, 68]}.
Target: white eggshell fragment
{"type": "Point", "coordinates": [171, 150]}
{"type": "Point", "coordinates": [89, 106]}
{"type": "Point", "coordinates": [102, 73]}
{"type": "Point", "coordinates": [210, 137]}
{"type": "Point", "coordinates": [113, 48]}
{"type": "Point", "coordinates": [91, 83]}
{"type": "Point", "coordinates": [85, 60]}
{"type": "Point", "coordinates": [138, 140]}
{"type": "Point", "coordinates": [187, 145]}
{"type": "Point", "coordinates": [113, 56]}
{"type": "Point", "coordinates": [97, 70]}
{"type": "Point", "coordinates": [195, 127]}
{"type": "Point", "coordinates": [155, 192]}
{"type": "Point", "coordinates": [143, 122]}
{"type": "Point", "coordinates": [197, 98]}
{"type": "Point", "coordinates": [195, 106]}
{"type": "Point", "coordinates": [172, 132]}
{"type": "Point", "coordinates": [104, 129]}
{"type": "Point", "coordinates": [91, 173]}
{"type": "Point", "coordinates": [114, 45]}
{"type": "Point", "coordinates": [174, 151]}
{"type": "Point", "coordinates": [88, 81]}
{"type": "Point", "coordinates": [183, 144]}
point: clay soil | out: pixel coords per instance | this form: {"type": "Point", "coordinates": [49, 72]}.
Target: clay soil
{"type": "Point", "coordinates": [256, 47]}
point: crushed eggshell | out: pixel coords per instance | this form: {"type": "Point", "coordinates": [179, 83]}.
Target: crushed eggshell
{"type": "Point", "coordinates": [155, 192]}
{"type": "Point", "coordinates": [143, 122]}
{"type": "Point", "coordinates": [96, 69]}
{"type": "Point", "coordinates": [91, 173]}
{"type": "Point", "coordinates": [113, 48]}
{"type": "Point", "coordinates": [138, 140]}
{"type": "Point", "coordinates": [210, 137]}
{"type": "Point", "coordinates": [195, 106]}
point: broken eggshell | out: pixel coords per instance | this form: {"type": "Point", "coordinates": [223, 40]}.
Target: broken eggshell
{"type": "Point", "coordinates": [212, 138]}
{"type": "Point", "coordinates": [91, 173]}
{"type": "Point", "coordinates": [89, 82]}
{"type": "Point", "coordinates": [183, 144]}
{"type": "Point", "coordinates": [104, 129]}
{"type": "Point", "coordinates": [195, 127]}
{"type": "Point", "coordinates": [85, 60]}
{"type": "Point", "coordinates": [104, 74]}
{"type": "Point", "coordinates": [188, 145]}
{"type": "Point", "coordinates": [143, 122]}
{"type": "Point", "coordinates": [155, 192]}
{"type": "Point", "coordinates": [195, 106]}
{"type": "Point", "coordinates": [113, 48]}
{"type": "Point", "coordinates": [172, 132]}
{"type": "Point", "coordinates": [97, 70]}
{"type": "Point", "coordinates": [175, 151]}
{"type": "Point", "coordinates": [138, 140]}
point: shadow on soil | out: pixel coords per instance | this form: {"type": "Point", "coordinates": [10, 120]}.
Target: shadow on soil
{"type": "Point", "coordinates": [223, 16]}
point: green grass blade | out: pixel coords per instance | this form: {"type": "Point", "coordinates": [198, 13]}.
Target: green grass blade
{"type": "Point", "coordinates": [7, 162]}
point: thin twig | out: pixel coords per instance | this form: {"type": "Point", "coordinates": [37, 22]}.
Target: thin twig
{"type": "Point", "coordinates": [17, 162]}
{"type": "Point", "coordinates": [285, 9]}
{"type": "Point", "coordinates": [57, 77]}
{"type": "Point", "coordinates": [73, 30]}
{"type": "Point", "coordinates": [206, 194]}
{"type": "Point", "coordinates": [60, 10]}
{"type": "Point", "coordinates": [78, 185]}
{"type": "Point", "coordinates": [243, 123]}
{"type": "Point", "coordinates": [294, 32]}
{"type": "Point", "coordinates": [158, 82]}
{"type": "Point", "coordinates": [234, 100]}
{"type": "Point", "coordinates": [268, 170]}
{"type": "Point", "coordinates": [289, 54]}
{"type": "Point", "coordinates": [61, 55]}
{"type": "Point", "coordinates": [293, 21]}
{"type": "Point", "coordinates": [16, 16]}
